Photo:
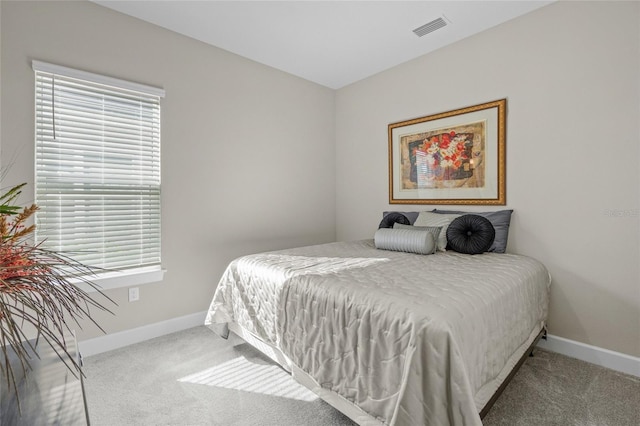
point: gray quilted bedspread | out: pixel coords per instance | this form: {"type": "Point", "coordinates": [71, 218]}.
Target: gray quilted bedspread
{"type": "Point", "coordinates": [409, 339]}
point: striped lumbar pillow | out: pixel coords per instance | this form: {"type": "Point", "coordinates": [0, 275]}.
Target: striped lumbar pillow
{"type": "Point", "coordinates": [406, 240]}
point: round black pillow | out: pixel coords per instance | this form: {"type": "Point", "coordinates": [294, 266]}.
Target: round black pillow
{"type": "Point", "coordinates": [470, 234]}
{"type": "Point", "coordinates": [393, 217]}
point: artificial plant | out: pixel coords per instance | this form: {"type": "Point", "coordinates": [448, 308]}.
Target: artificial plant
{"type": "Point", "coordinates": [38, 300]}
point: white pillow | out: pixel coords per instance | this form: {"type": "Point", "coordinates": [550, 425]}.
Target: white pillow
{"type": "Point", "coordinates": [407, 240]}
{"type": "Point", "coordinates": [436, 219]}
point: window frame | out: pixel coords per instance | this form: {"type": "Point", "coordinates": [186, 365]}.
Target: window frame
{"type": "Point", "coordinates": [129, 276]}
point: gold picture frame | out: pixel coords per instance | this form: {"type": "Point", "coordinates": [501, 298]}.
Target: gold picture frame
{"type": "Point", "coordinates": [454, 157]}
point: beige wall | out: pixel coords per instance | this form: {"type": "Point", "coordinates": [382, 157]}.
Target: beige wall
{"type": "Point", "coordinates": [247, 151]}
{"type": "Point", "coordinates": [570, 72]}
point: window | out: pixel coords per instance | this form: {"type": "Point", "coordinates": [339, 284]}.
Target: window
{"type": "Point", "coordinates": [97, 165]}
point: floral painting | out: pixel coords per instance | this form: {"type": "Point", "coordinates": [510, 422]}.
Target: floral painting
{"type": "Point", "coordinates": [452, 157]}
{"type": "Point", "coordinates": [442, 158]}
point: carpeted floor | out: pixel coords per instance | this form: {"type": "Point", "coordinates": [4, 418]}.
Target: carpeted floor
{"type": "Point", "coordinates": [196, 378]}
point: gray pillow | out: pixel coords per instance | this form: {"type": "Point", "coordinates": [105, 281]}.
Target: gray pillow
{"type": "Point", "coordinates": [433, 219]}
{"type": "Point", "coordinates": [405, 240]}
{"type": "Point", "coordinates": [435, 230]}
{"type": "Point", "coordinates": [499, 219]}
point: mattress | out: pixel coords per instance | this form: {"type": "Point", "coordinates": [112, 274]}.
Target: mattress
{"type": "Point", "coordinates": [387, 337]}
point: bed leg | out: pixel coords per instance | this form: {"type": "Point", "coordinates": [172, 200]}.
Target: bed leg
{"type": "Point", "coordinates": [542, 336]}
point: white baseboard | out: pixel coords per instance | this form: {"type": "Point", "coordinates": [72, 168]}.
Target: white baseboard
{"type": "Point", "coordinates": [129, 337]}
{"type": "Point", "coordinates": [603, 357]}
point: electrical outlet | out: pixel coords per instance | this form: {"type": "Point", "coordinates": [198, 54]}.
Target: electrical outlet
{"type": "Point", "coordinates": [134, 294]}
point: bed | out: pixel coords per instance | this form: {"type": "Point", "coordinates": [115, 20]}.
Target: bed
{"type": "Point", "coordinates": [387, 337]}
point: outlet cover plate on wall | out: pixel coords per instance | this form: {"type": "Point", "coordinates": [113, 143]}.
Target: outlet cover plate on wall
{"type": "Point", "coordinates": [134, 294]}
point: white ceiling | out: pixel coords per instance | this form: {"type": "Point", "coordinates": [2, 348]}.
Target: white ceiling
{"type": "Point", "coordinates": [333, 43]}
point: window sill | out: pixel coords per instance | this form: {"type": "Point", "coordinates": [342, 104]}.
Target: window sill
{"type": "Point", "coordinates": [131, 277]}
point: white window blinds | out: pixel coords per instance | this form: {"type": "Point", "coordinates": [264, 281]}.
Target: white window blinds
{"type": "Point", "coordinates": [97, 168]}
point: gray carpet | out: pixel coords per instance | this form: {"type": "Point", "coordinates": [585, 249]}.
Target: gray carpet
{"type": "Point", "coordinates": [196, 378]}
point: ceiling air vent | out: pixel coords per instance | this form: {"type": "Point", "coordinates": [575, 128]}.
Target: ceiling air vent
{"type": "Point", "coordinates": [430, 27]}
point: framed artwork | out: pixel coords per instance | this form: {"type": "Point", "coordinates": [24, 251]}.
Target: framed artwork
{"type": "Point", "coordinates": [454, 157]}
